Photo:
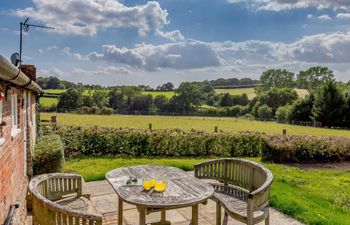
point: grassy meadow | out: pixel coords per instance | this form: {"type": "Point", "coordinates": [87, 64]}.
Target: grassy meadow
{"type": "Point", "coordinates": [188, 123]}
{"type": "Point", "coordinates": [47, 102]}
{"type": "Point", "coordinates": [313, 196]}
{"type": "Point", "coordinates": [238, 91]}
{"type": "Point", "coordinates": [251, 92]}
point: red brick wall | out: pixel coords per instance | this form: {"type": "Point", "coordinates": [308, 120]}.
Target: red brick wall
{"type": "Point", "coordinates": [13, 178]}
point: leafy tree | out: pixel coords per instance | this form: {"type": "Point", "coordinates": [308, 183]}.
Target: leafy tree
{"type": "Point", "coordinates": [277, 78]}
{"type": "Point", "coordinates": [70, 100]}
{"type": "Point", "coordinates": [347, 109]}
{"type": "Point", "coordinates": [116, 99]}
{"type": "Point", "coordinates": [277, 97]}
{"type": "Point", "coordinates": [301, 109]}
{"type": "Point", "coordinates": [88, 101]}
{"type": "Point", "coordinates": [141, 103]}
{"type": "Point", "coordinates": [329, 105]}
{"type": "Point", "coordinates": [167, 87]}
{"type": "Point", "coordinates": [282, 113]}
{"type": "Point", "coordinates": [160, 101]}
{"type": "Point", "coordinates": [265, 112]}
{"type": "Point", "coordinates": [314, 77]}
{"type": "Point", "coordinates": [100, 98]}
{"type": "Point", "coordinates": [226, 100]}
{"type": "Point", "coordinates": [188, 96]}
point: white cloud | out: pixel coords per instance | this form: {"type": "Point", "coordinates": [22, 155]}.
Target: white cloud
{"type": "Point", "coordinates": [310, 16]}
{"type": "Point", "coordinates": [66, 51]}
{"type": "Point", "coordinates": [171, 35]}
{"type": "Point", "coordinates": [180, 55]}
{"type": "Point", "coordinates": [188, 55]}
{"type": "Point", "coordinates": [324, 17]}
{"type": "Point", "coordinates": [53, 47]}
{"type": "Point", "coordinates": [343, 16]}
{"type": "Point", "coordinates": [86, 17]}
{"type": "Point", "coordinates": [280, 5]}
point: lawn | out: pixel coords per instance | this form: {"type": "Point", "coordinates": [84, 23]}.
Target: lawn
{"type": "Point", "coordinates": [313, 196]}
{"type": "Point", "coordinates": [187, 123]}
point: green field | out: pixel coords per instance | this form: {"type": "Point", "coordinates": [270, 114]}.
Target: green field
{"type": "Point", "coordinates": [251, 92]}
{"type": "Point", "coordinates": [238, 91]}
{"type": "Point", "coordinates": [313, 196]}
{"type": "Point", "coordinates": [168, 94]}
{"type": "Point", "coordinates": [187, 123]}
{"type": "Point", "coordinates": [47, 102]}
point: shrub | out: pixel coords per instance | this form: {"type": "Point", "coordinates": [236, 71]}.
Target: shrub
{"type": "Point", "coordinates": [166, 143]}
{"type": "Point", "coordinates": [84, 110]}
{"type": "Point", "coordinates": [282, 114]}
{"type": "Point", "coordinates": [306, 149]}
{"type": "Point", "coordinates": [265, 112]}
{"type": "Point", "coordinates": [107, 111]}
{"type": "Point", "coordinates": [48, 155]}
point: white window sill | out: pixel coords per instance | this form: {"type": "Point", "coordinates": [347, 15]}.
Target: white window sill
{"type": "Point", "coordinates": [2, 141]}
{"type": "Point", "coordinates": [15, 132]}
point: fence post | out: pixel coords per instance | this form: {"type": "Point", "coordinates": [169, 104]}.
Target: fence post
{"type": "Point", "coordinates": [150, 126]}
{"type": "Point", "coordinates": [53, 119]}
{"type": "Point", "coordinates": [216, 129]}
{"type": "Point", "coordinates": [284, 131]}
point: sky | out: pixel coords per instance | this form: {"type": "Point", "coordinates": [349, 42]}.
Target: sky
{"type": "Point", "coordinates": [133, 42]}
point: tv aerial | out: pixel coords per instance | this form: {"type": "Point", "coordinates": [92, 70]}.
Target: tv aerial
{"type": "Point", "coordinates": [16, 58]}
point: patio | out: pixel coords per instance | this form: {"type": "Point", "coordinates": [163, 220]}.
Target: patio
{"type": "Point", "coordinates": [106, 202]}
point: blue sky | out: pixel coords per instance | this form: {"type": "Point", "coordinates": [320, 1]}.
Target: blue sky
{"type": "Point", "coordinates": [124, 42]}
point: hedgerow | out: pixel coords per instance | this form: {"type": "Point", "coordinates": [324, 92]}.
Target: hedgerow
{"type": "Point", "coordinates": [168, 143]}
{"type": "Point", "coordinates": [310, 149]}
{"type": "Point", "coordinates": [177, 143]}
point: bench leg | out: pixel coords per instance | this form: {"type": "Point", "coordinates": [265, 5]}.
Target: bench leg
{"type": "Point", "coordinates": [120, 211]}
{"type": "Point", "coordinates": [267, 220]}
{"type": "Point", "coordinates": [194, 215]}
{"type": "Point", "coordinates": [218, 213]}
{"type": "Point", "coordinates": [142, 216]}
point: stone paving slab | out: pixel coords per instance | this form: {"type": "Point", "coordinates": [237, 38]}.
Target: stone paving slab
{"type": "Point", "coordinates": [105, 200]}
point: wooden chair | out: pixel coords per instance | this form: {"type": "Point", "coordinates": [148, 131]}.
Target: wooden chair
{"type": "Point", "coordinates": [242, 188]}
{"type": "Point", "coordinates": [59, 199]}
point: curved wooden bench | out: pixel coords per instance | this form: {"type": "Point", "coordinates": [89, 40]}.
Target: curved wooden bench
{"type": "Point", "coordinates": [58, 199]}
{"type": "Point", "coordinates": [243, 188]}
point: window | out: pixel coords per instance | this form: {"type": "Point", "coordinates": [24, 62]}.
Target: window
{"type": "Point", "coordinates": [14, 112]}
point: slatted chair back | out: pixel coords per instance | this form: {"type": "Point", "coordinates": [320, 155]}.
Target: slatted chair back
{"type": "Point", "coordinates": [248, 175]}
{"type": "Point", "coordinates": [46, 188]}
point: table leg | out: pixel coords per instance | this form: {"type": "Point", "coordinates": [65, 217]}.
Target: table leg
{"type": "Point", "coordinates": [142, 216]}
{"type": "Point", "coordinates": [120, 211]}
{"type": "Point", "coordinates": [194, 215]}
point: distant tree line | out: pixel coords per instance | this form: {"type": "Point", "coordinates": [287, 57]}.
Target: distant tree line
{"type": "Point", "coordinates": [327, 102]}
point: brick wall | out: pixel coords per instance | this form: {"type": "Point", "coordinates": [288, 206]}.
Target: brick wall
{"type": "Point", "coordinates": [15, 153]}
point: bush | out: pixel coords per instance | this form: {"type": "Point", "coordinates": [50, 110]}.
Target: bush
{"type": "Point", "coordinates": [165, 143]}
{"type": "Point", "coordinates": [308, 149]}
{"type": "Point", "coordinates": [107, 111]}
{"type": "Point", "coordinates": [282, 114]}
{"type": "Point", "coordinates": [48, 155]}
{"type": "Point", "coordinates": [265, 112]}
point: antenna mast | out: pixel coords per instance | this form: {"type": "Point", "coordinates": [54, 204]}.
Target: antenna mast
{"type": "Point", "coordinates": [24, 26]}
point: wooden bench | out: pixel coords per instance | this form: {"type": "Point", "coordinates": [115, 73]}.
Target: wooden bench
{"type": "Point", "coordinates": [241, 188]}
{"type": "Point", "coordinates": [59, 199]}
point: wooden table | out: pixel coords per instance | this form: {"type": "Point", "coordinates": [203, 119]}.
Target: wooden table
{"type": "Point", "coordinates": [182, 190]}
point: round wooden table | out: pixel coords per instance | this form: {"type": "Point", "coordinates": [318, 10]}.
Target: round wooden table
{"type": "Point", "coordinates": [182, 190]}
